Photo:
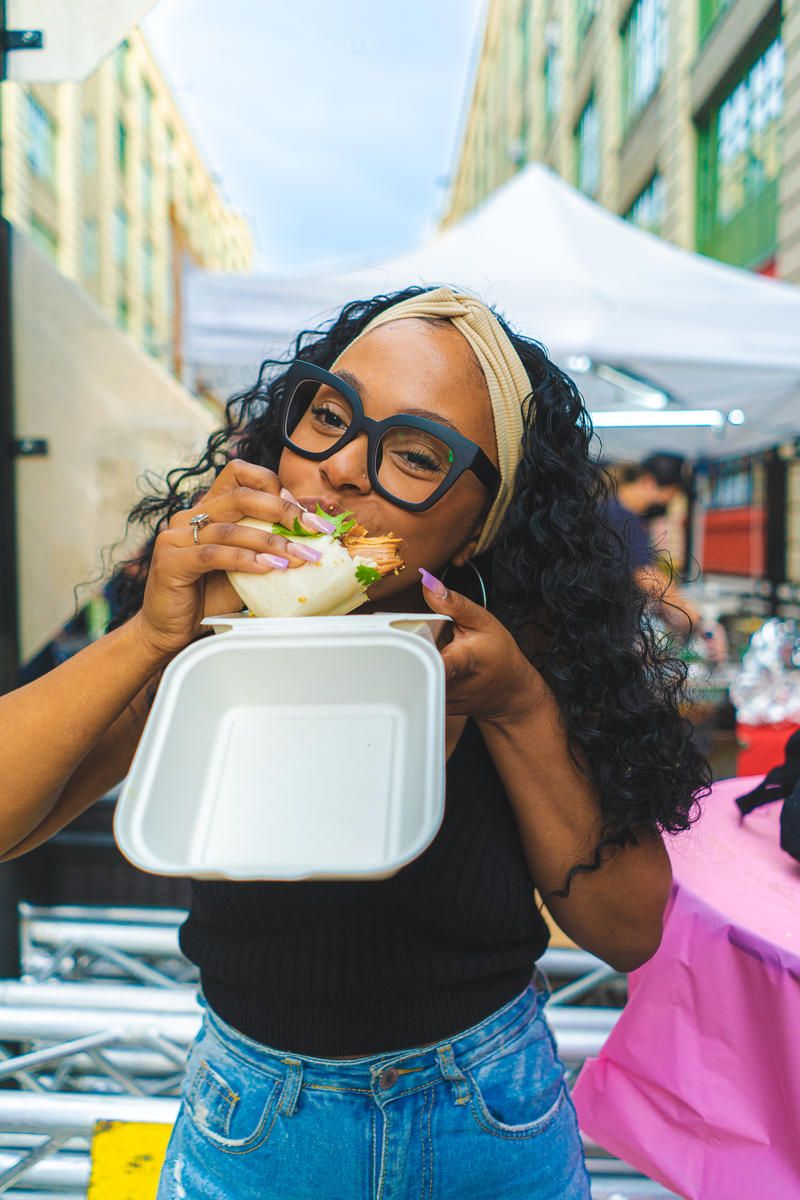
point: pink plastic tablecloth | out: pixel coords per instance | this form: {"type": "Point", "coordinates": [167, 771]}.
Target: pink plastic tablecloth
{"type": "Point", "coordinates": [699, 1083]}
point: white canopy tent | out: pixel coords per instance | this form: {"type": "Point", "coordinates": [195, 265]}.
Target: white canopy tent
{"type": "Point", "coordinates": [644, 327]}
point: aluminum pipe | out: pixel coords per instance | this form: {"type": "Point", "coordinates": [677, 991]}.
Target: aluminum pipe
{"type": "Point", "coordinates": [60, 1112]}
{"type": "Point", "coordinates": [95, 996]}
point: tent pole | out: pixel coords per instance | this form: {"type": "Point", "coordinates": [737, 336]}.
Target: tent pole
{"type": "Point", "coordinates": [9, 616]}
{"type": "Point", "coordinates": [10, 873]}
{"type": "Point", "coordinates": [775, 501]}
{"type": "Point", "coordinates": [688, 533]}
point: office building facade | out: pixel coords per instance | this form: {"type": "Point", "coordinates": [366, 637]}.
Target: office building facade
{"type": "Point", "coordinates": [106, 178]}
{"type": "Point", "coordinates": [680, 115]}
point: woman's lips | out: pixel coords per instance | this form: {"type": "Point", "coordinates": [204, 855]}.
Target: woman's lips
{"type": "Point", "coordinates": [329, 506]}
{"type": "Point", "coordinates": [333, 508]}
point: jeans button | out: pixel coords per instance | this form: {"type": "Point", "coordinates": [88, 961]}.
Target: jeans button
{"type": "Point", "coordinates": [388, 1077]}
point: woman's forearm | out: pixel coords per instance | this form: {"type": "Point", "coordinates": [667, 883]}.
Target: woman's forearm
{"type": "Point", "coordinates": [616, 912]}
{"type": "Point", "coordinates": [50, 725]}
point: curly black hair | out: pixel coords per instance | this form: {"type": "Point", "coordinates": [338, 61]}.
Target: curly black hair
{"type": "Point", "coordinates": [558, 580]}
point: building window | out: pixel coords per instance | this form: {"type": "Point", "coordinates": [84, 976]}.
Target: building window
{"type": "Point", "coordinates": [122, 146]}
{"type": "Point", "coordinates": [644, 54]}
{"type": "Point", "coordinates": [43, 236]}
{"type": "Point", "coordinates": [647, 210]}
{"type": "Point", "coordinates": [709, 12]}
{"type": "Point", "coordinates": [147, 268]}
{"type": "Point", "coordinates": [552, 76]}
{"type": "Point", "coordinates": [585, 12]}
{"type": "Point", "coordinates": [91, 248]}
{"type": "Point", "coordinates": [147, 187]}
{"type": "Point", "coordinates": [525, 70]}
{"type": "Point", "coordinates": [89, 144]}
{"type": "Point", "coordinates": [587, 141]}
{"type": "Point", "coordinates": [41, 141]}
{"type": "Point", "coordinates": [747, 133]}
{"type": "Point", "coordinates": [147, 107]}
{"type": "Point", "coordinates": [171, 160]}
{"type": "Point", "coordinates": [149, 335]}
{"type": "Point", "coordinates": [739, 166]}
{"type": "Point", "coordinates": [121, 65]}
{"type": "Point", "coordinates": [120, 237]}
{"type": "Point", "coordinates": [122, 312]}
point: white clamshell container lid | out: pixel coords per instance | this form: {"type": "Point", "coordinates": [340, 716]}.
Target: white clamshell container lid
{"type": "Point", "coordinates": [291, 748]}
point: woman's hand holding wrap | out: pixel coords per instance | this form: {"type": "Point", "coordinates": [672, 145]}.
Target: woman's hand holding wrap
{"type": "Point", "coordinates": [187, 580]}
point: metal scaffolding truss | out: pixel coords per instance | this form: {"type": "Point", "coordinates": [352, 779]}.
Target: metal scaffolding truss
{"type": "Point", "coordinates": [46, 1136]}
{"type": "Point", "coordinates": [99, 1026]}
{"type": "Point", "coordinates": [138, 945]}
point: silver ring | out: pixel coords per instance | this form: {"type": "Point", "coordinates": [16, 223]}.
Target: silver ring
{"type": "Point", "coordinates": [197, 524]}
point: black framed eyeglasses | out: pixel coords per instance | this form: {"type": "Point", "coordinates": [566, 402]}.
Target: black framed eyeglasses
{"type": "Point", "coordinates": [411, 461]}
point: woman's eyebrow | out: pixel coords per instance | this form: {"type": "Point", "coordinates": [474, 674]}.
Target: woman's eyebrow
{"type": "Point", "coordinates": [353, 380]}
{"type": "Point", "coordinates": [427, 413]}
{"type": "Point", "coordinates": [430, 416]}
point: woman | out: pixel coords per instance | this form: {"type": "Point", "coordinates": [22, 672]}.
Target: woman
{"type": "Point", "coordinates": [387, 1038]}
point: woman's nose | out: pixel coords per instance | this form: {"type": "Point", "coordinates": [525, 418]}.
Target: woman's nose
{"type": "Point", "coordinates": [348, 467]}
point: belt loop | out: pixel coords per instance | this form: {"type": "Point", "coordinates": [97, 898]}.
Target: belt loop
{"type": "Point", "coordinates": [545, 988]}
{"type": "Point", "coordinates": [452, 1074]}
{"type": "Point", "coordinates": [291, 1086]}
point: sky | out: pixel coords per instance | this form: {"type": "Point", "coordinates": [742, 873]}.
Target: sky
{"type": "Point", "coordinates": [332, 125]}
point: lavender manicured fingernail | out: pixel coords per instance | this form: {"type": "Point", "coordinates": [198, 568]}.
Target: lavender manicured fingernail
{"type": "Point", "coordinates": [318, 524]}
{"type": "Point", "coordinates": [434, 585]}
{"type": "Point", "coordinates": [287, 495]}
{"type": "Point", "coordinates": [273, 560]}
{"type": "Point", "coordinates": [306, 552]}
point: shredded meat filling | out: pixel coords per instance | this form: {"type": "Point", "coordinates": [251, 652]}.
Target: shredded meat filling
{"type": "Point", "coordinates": [383, 551]}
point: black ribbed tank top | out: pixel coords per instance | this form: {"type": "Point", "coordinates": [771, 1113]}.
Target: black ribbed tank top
{"type": "Point", "coordinates": [360, 967]}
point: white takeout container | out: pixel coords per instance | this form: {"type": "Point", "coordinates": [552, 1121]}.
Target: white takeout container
{"type": "Point", "coordinates": [297, 748]}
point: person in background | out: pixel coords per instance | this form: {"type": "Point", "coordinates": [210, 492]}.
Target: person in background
{"type": "Point", "coordinates": [645, 490]}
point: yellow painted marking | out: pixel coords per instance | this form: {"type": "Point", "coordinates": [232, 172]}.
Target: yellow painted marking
{"type": "Point", "coordinates": [127, 1157]}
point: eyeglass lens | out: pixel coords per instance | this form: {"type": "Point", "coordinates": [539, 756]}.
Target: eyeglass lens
{"type": "Point", "coordinates": [412, 463]}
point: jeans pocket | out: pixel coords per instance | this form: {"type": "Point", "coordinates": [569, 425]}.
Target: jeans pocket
{"type": "Point", "coordinates": [231, 1104]}
{"type": "Point", "coordinates": [519, 1089]}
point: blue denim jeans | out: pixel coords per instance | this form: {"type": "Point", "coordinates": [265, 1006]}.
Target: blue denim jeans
{"type": "Point", "coordinates": [484, 1115]}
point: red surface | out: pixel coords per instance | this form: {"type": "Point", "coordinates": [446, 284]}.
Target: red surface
{"type": "Point", "coordinates": [733, 541]}
{"type": "Point", "coordinates": [761, 746]}
{"type": "Point", "coordinates": [770, 268]}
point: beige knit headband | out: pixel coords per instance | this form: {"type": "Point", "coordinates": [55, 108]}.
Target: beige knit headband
{"type": "Point", "coordinates": [506, 378]}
